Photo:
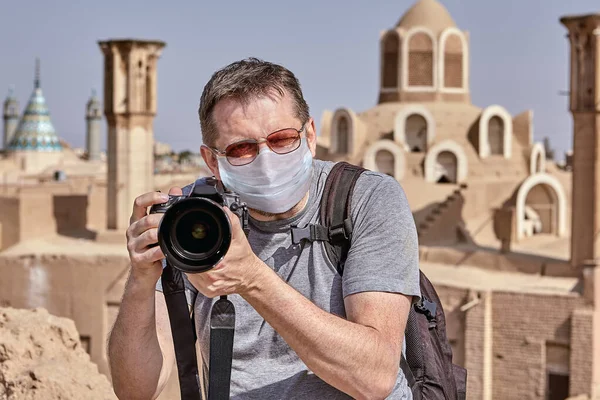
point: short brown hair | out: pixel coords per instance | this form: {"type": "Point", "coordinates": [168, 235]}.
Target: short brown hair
{"type": "Point", "coordinates": [245, 80]}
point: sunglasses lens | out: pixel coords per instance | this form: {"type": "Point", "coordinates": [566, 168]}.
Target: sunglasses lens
{"type": "Point", "coordinates": [284, 141]}
{"type": "Point", "coordinates": [241, 153]}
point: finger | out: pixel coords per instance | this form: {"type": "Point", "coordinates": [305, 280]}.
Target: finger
{"type": "Point", "coordinates": [141, 204]}
{"type": "Point", "coordinates": [148, 222]}
{"type": "Point", "coordinates": [236, 227]}
{"type": "Point", "coordinates": [175, 191]}
{"type": "Point", "coordinates": [149, 256]}
{"type": "Point", "coordinates": [233, 218]}
{"type": "Point", "coordinates": [155, 254]}
{"type": "Point", "coordinates": [146, 239]}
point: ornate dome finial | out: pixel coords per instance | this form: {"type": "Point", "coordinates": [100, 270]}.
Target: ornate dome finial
{"type": "Point", "coordinates": [36, 82]}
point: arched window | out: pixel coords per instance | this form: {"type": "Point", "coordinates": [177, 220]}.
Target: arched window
{"type": "Point", "coordinates": [343, 136]}
{"type": "Point", "coordinates": [416, 133]}
{"type": "Point", "coordinates": [420, 60]}
{"type": "Point", "coordinates": [384, 159]}
{"type": "Point", "coordinates": [453, 62]}
{"type": "Point", "coordinates": [446, 167]}
{"type": "Point", "coordinates": [540, 207]}
{"type": "Point", "coordinates": [541, 210]}
{"type": "Point", "coordinates": [391, 50]}
{"type": "Point", "coordinates": [496, 135]}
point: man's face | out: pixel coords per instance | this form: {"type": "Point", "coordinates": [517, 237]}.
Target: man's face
{"type": "Point", "coordinates": [256, 119]}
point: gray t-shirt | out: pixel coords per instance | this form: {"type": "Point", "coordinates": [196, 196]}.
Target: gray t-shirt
{"type": "Point", "coordinates": [383, 257]}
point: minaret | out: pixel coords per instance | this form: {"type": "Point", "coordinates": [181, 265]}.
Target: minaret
{"type": "Point", "coordinates": [11, 117]}
{"type": "Point", "coordinates": [93, 118]}
{"type": "Point", "coordinates": [584, 39]}
{"type": "Point", "coordinates": [129, 107]}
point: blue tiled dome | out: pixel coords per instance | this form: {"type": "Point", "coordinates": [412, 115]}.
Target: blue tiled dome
{"type": "Point", "coordinates": [35, 131]}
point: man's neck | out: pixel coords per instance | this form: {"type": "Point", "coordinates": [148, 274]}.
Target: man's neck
{"type": "Point", "coordinates": [264, 216]}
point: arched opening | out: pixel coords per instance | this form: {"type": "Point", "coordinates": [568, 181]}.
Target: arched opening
{"type": "Point", "coordinates": [446, 167]}
{"type": "Point", "coordinates": [343, 135]}
{"type": "Point", "coordinates": [420, 60]}
{"type": "Point", "coordinates": [385, 156]}
{"type": "Point", "coordinates": [416, 133]}
{"type": "Point", "coordinates": [391, 51]}
{"type": "Point", "coordinates": [384, 160]}
{"type": "Point", "coordinates": [541, 207]}
{"type": "Point", "coordinates": [496, 135]}
{"type": "Point", "coordinates": [540, 214]}
{"type": "Point", "coordinates": [453, 62]}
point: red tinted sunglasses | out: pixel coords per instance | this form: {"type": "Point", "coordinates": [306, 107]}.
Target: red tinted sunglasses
{"type": "Point", "coordinates": [244, 152]}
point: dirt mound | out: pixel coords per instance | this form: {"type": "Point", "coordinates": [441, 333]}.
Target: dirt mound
{"type": "Point", "coordinates": [41, 358]}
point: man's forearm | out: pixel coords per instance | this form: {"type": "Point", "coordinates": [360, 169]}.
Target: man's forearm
{"type": "Point", "coordinates": [134, 352]}
{"type": "Point", "coordinates": [351, 357]}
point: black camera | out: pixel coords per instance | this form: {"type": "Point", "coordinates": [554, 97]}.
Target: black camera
{"type": "Point", "coordinates": [195, 232]}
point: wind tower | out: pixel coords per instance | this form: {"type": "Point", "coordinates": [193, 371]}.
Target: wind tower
{"type": "Point", "coordinates": [584, 40]}
{"type": "Point", "coordinates": [130, 107]}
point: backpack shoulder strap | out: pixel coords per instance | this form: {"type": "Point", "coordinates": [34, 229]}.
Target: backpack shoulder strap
{"type": "Point", "coordinates": [336, 212]}
{"type": "Point", "coordinates": [335, 228]}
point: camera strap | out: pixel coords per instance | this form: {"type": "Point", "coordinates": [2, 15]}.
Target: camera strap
{"type": "Point", "coordinates": [183, 331]}
{"type": "Point", "coordinates": [222, 327]}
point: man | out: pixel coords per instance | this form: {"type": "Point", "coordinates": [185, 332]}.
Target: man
{"type": "Point", "coordinates": [302, 330]}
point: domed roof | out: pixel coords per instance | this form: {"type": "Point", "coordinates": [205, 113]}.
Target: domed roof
{"type": "Point", "coordinates": [428, 14]}
{"type": "Point", "coordinates": [35, 131]}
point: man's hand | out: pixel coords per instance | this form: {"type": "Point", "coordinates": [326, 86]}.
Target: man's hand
{"type": "Point", "coordinates": [143, 232]}
{"type": "Point", "coordinates": [237, 272]}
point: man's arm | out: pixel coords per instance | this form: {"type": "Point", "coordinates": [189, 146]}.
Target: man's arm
{"type": "Point", "coordinates": [138, 367]}
{"type": "Point", "coordinates": [140, 347]}
{"type": "Point", "coordinates": [359, 356]}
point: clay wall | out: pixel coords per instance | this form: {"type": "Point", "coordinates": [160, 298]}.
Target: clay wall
{"type": "Point", "coordinates": [532, 334]}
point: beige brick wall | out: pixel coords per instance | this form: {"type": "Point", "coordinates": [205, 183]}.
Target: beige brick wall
{"type": "Point", "coordinates": [523, 324]}
{"type": "Point", "coordinates": [452, 299]}
{"type": "Point", "coordinates": [474, 343]}
{"type": "Point", "coordinates": [581, 351]}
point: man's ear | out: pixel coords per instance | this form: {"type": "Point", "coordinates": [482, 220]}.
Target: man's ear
{"type": "Point", "coordinates": [211, 160]}
{"type": "Point", "coordinates": [311, 136]}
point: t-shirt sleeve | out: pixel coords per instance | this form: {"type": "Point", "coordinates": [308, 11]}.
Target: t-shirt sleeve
{"type": "Point", "coordinates": [190, 291]}
{"type": "Point", "coordinates": [384, 251]}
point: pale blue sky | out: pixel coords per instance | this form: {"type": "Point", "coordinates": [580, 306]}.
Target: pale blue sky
{"type": "Point", "coordinates": [518, 53]}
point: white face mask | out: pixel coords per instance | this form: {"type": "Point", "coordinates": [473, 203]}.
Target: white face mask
{"type": "Point", "coordinates": [272, 183]}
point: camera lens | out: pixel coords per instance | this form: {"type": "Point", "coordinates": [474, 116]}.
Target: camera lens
{"type": "Point", "coordinates": [194, 234]}
{"type": "Point", "coordinates": [197, 232]}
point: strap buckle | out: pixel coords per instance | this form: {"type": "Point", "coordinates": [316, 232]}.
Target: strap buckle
{"type": "Point", "coordinates": [300, 234]}
{"type": "Point", "coordinates": [341, 233]}
{"type": "Point", "coordinates": [428, 308]}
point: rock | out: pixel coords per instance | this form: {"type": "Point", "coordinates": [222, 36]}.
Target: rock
{"type": "Point", "coordinates": [41, 358]}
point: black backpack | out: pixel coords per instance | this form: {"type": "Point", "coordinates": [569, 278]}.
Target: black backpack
{"type": "Point", "coordinates": [428, 364]}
